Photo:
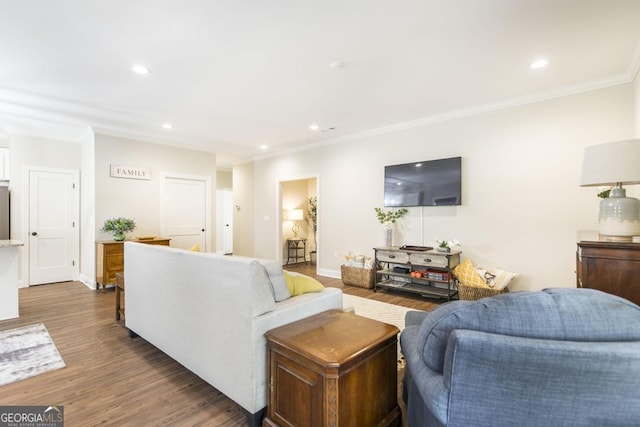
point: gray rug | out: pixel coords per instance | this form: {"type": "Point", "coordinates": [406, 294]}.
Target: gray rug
{"type": "Point", "coordinates": [26, 352]}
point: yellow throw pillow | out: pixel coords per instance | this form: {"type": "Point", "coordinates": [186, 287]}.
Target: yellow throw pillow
{"type": "Point", "coordinates": [195, 248]}
{"type": "Point", "coordinates": [300, 284]}
{"type": "Point", "coordinates": [468, 276]}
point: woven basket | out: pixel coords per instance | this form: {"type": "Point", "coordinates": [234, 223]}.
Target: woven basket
{"type": "Point", "coordinates": [474, 293]}
{"type": "Point", "coordinates": [360, 277]}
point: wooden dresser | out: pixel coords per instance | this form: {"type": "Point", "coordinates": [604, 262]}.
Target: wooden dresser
{"type": "Point", "coordinates": [610, 267]}
{"type": "Point", "coordinates": [333, 369]}
{"type": "Point", "coordinates": [110, 259]}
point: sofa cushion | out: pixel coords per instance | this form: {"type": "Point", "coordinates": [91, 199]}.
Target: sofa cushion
{"type": "Point", "coordinates": [560, 314]}
{"type": "Point", "coordinates": [299, 284]}
{"type": "Point", "coordinates": [277, 282]}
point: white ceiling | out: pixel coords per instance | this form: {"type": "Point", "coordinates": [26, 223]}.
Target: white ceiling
{"type": "Point", "coordinates": [231, 75]}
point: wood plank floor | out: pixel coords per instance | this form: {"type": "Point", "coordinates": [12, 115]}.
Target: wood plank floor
{"type": "Point", "coordinates": [111, 379]}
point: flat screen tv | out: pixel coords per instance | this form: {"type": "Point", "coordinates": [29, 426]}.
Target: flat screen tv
{"type": "Point", "coordinates": [427, 183]}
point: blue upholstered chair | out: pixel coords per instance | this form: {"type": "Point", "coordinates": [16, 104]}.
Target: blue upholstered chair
{"type": "Point", "coordinates": [558, 357]}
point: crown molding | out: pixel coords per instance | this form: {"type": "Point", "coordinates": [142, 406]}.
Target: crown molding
{"type": "Point", "coordinates": [610, 81]}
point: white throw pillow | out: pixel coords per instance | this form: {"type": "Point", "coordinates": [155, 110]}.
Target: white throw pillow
{"type": "Point", "coordinates": [278, 285]}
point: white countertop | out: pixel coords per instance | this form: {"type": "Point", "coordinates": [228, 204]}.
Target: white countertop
{"type": "Point", "coordinates": [11, 243]}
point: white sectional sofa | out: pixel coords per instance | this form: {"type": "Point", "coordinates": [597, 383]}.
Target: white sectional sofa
{"type": "Point", "coordinates": [209, 312]}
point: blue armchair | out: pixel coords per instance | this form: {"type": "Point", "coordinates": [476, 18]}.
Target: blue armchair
{"type": "Point", "coordinates": [558, 357]}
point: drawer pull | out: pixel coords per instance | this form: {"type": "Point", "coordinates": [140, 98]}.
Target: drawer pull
{"type": "Point", "coordinates": [427, 260]}
{"type": "Point", "coordinates": [392, 256]}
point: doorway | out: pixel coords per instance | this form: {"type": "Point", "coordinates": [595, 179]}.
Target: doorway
{"type": "Point", "coordinates": [53, 214]}
{"type": "Point", "coordinates": [185, 216]}
{"type": "Point", "coordinates": [299, 195]}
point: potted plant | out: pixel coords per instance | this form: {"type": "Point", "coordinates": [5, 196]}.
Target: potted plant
{"type": "Point", "coordinates": [389, 218]}
{"type": "Point", "coordinates": [312, 219]}
{"type": "Point", "coordinates": [118, 227]}
{"type": "Point", "coordinates": [447, 245]}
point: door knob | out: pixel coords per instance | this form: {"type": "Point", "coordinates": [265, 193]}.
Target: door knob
{"type": "Point", "coordinates": [34, 234]}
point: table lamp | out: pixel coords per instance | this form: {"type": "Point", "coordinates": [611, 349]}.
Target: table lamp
{"type": "Point", "coordinates": [295, 215]}
{"type": "Point", "coordinates": [615, 164]}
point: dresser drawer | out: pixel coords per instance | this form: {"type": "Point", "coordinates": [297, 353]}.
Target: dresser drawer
{"type": "Point", "coordinates": [391, 256]}
{"type": "Point", "coordinates": [428, 260]}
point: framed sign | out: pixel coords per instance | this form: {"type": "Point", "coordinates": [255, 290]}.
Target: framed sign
{"type": "Point", "coordinates": [129, 172]}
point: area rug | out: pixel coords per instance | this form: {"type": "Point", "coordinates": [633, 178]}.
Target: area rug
{"type": "Point", "coordinates": [376, 310]}
{"type": "Point", "coordinates": [26, 352]}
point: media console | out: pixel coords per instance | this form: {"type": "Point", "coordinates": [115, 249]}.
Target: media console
{"type": "Point", "coordinates": [427, 273]}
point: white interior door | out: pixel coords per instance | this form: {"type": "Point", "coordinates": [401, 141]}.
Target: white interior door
{"type": "Point", "coordinates": [52, 222]}
{"type": "Point", "coordinates": [185, 212]}
{"type": "Point", "coordinates": [224, 204]}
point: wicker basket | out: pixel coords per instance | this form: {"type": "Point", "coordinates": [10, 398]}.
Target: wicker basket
{"type": "Point", "coordinates": [356, 276]}
{"type": "Point", "coordinates": [474, 293]}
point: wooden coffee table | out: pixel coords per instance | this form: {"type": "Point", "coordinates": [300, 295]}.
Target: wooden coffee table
{"type": "Point", "coordinates": [333, 369]}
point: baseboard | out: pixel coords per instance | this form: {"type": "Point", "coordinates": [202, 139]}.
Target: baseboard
{"type": "Point", "coordinates": [329, 273]}
{"type": "Point", "coordinates": [91, 284]}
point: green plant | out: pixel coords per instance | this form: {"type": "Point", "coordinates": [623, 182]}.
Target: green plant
{"type": "Point", "coordinates": [118, 225]}
{"type": "Point", "coordinates": [389, 217]}
{"type": "Point", "coordinates": [605, 194]}
{"type": "Point", "coordinates": [448, 243]}
{"type": "Point", "coordinates": [312, 216]}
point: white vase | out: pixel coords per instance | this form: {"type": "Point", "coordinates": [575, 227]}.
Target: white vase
{"type": "Point", "coordinates": [388, 236]}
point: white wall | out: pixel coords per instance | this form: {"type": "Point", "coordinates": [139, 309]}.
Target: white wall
{"type": "Point", "coordinates": [522, 205]}
{"type": "Point", "coordinates": [636, 104]}
{"type": "Point", "coordinates": [140, 199]}
{"type": "Point", "coordinates": [87, 210]}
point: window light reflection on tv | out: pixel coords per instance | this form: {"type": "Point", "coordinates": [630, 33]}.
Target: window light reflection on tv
{"type": "Point", "coordinates": [424, 183]}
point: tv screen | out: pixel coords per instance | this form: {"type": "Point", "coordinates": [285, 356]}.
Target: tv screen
{"type": "Point", "coordinates": [427, 183]}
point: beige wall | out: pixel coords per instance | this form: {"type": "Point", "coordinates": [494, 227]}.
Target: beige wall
{"type": "Point", "coordinates": [244, 213]}
{"type": "Point", "coordinates": [522, 205]}
{"type": "Point", "coordinates": [636, 105]}
{"type": "Point", "coordinates": [28, 151]}
{"type": "Point", "coordinates": [140, 199]}
{"type": "Point", "coordinates": [224, 179]}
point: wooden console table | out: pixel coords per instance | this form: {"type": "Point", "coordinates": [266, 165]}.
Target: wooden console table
{"type": "Point", "coordinates": [333, 369]}
{"type": "Point", "coordinates": [110, 259]}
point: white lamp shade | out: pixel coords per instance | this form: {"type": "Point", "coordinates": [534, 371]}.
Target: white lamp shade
{"type": "Point", "coordinates": [611, 163]}
{"type": "Point", "coordinates": [295, 214]}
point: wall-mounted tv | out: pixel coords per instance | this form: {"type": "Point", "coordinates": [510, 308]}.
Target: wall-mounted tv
{"type": "Point", "coordinates": [427, 183]}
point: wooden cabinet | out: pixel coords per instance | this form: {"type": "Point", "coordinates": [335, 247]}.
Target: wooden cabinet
{"type": "Point", "coordinates": [610, 267]}
{"type": "Point", "coordinates": [110, 259]}
{"type": "Point", "coordinates": [333, 369]}
{"type": "Point", "coordinates": [395, 267]}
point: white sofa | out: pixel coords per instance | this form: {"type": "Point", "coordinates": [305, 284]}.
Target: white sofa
{"type": "Point", "coordinates": [209, 312]}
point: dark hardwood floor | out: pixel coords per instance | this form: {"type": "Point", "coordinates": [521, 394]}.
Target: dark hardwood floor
{"type": "Point", "coordinates": [398, 298]}
{"type": "Point", "coordinates": [111, 379]}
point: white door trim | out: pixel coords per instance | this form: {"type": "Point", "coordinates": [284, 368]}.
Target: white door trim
{"type": "Point", "coordinates": [26, 192]}
{"type": "Point", "coordinates": [163, 194]}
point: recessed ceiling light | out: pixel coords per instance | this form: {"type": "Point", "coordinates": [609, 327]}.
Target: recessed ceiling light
{"type": "Point", "coordinates": [539, 63]}
{"type": "Point", "coordinates": [264, 147]}
{"type": "Point", "coordinates": [314, 127]}
{"type": "Point", "coordinates": [167, 126]}
{"type": "Point", "coordinates": [140, 69]}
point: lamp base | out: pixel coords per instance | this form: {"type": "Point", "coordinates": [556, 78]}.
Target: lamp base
{"type": "Point", "coordinates": [619, 217]}
{"type": "Point", "coordinates": [619, 239]}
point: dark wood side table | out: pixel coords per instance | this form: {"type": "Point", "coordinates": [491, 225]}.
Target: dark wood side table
{"type": "Point", "coordinates": [333, 369]}
{"type": "Point", "coordinates": [119, 295]}
{"type": "Point", "coordinates": [294, 246]}
{"type": "Point", "coordinates": [611, 267]}
{"type": "Point", "coordinates": [110, 258]}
